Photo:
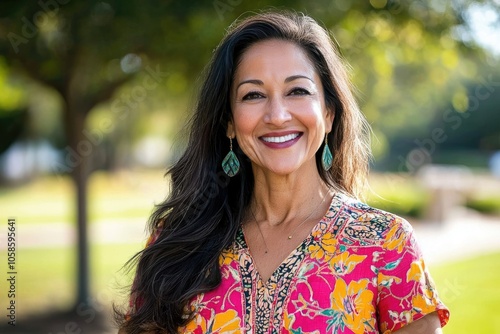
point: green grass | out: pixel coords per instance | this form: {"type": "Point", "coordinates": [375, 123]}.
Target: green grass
{"type": "Point", "coordinates": [470, 290]}
{"type": "Point", "coordinates": [46, 277]}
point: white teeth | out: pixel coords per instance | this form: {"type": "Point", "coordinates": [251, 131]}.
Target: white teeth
{"type": "Point", "coordinates": [281, 139]}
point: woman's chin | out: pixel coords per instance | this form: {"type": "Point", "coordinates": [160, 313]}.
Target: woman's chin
{"type": "Point", "coordinates": [284, 169]}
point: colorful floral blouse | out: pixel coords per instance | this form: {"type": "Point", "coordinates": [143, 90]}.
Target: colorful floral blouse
{"type": "Point", "coordinates": [359, 271]}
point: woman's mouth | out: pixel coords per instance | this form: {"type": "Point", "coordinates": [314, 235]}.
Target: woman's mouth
{"type": "Point", "coordinates": [281, 141]}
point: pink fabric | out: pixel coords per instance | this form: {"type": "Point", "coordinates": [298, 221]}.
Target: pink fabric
{"type": "Point", "coordinates": [359, 271]}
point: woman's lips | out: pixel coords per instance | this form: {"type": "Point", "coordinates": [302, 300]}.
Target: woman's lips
{"type": "Point", "coordinates": [283, 140]}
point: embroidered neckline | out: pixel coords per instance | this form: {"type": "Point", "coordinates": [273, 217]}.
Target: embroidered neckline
{"type": "Point", "coordinates": [263, 298]}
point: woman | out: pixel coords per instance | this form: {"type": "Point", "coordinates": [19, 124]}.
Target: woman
{"type": "Point", "coordinates": [280, 244]}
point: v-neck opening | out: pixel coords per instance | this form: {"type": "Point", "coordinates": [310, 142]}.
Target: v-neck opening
{"type": "Point", "coordinates": [279, 268]}
{"type": "Point", "coordinates": [313, 234]}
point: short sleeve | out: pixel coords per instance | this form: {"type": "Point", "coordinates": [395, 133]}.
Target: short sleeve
{"type": "Point", "coordinates": [406, 291]}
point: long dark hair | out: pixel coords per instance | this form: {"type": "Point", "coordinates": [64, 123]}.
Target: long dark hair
{"type": "Point", "coordinates": [204, 209]}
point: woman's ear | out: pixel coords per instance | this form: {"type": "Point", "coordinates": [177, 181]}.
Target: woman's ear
{"type": "Point", "coordinates": [230, 130]}
{"type": "Point", "coordinates": [329, 117]}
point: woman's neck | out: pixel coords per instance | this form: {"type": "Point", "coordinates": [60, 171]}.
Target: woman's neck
{"type": "Point", "coordinates": [284, 199]}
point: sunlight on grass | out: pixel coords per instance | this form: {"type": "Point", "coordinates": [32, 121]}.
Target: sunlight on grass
{"type": "Point", "coordinates": [46, 279]}
{"type": "Point", "coordinates": [126, 194]}
{"type": "Point", "coordinates": [470, 290]}
{"type": "Point", "coordinates": [45, 200]}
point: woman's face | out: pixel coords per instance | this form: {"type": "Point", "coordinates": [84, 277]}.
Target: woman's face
{"type": "Point", "coordinates": [278, 107]}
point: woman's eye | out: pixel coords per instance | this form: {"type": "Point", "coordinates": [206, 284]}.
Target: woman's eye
{"type": "Point", "coordinates": [252, 96]}
{"type": "Point", "coordinates": [299, 91]}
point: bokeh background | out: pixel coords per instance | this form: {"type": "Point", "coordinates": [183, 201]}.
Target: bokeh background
{"type": "Point", "coordinates": [94, 96]}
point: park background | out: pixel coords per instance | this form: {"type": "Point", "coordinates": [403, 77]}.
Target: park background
{"type": "Point", "coordinates": [94, 96]}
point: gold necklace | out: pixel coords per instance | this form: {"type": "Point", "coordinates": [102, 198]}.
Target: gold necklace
{"type": "Point", "coordinates": [295, 229]}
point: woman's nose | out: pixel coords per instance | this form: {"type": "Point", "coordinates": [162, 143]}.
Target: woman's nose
{"type": "Point", "coordinates": [277, 112]}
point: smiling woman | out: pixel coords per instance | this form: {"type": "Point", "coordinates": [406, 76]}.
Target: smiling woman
{"type": "Point", "coordinates": [278, 109]}
{"type": "Point", "coordinates": [279, 243]}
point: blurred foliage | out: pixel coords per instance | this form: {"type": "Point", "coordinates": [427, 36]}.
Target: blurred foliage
{"type": "Point", "coordinates": [485, 204]}
{"type": "Point", "coordinates": [411, 60]}
{"type": "Point", "coordinates": [13, 114]}
{"type": "Point", "coordinates": [397, 193]}
{"type": "Point", "coordinates": [12, 122]}
{"type": "Point", "coordinates": [12, 97]}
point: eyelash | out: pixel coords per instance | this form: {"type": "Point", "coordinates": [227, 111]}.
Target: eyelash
{"type": "Point", "coordinates": [302, 91]}
{"type": "Point", "coordinates": [254, 95]}
{"type": "Point", "coordinates": [249, 96]}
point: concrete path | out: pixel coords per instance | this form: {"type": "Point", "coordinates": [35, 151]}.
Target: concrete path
{"type": "Point", "coordinates": [465, 234]}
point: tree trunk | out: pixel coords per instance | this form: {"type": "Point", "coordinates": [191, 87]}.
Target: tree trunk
{"type": "Point", "coordinates": [81, 149]}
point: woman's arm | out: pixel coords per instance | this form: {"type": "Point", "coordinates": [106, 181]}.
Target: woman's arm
{"type": "Point", "coordinates": [429, 324]}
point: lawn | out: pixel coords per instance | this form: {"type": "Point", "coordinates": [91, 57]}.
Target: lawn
{"type": "Point", "coordinates": [46, 277]}
{"type": "Point", "coordinates": [470, 289]}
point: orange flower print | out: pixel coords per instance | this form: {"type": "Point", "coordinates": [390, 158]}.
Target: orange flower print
{"type": "Point", "coordinates": [395, 238]}
{"type": "Point", "coordinates": [424, 303]}
{"type": "Point", "coordinates": [345, 263]}
{"type": "Point", "coordinates": [325, 249]}
{"type": "Point", "coordinates": [415, 272]}
{"type": "Point", "coordinates": [221, 323]}
{"type": "Point", "coordinates": [387, 280]}
{"type": "Point", "coordinates": [353, 302]}
{"type": "Point", "coordinates": [226, 257]}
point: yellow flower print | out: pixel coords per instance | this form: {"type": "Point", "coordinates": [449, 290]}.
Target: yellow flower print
{"type": "Point", "coordinates": [226, 257]}
{"type": "Point", "coordinates": [325, 249]}
{"type": "Point", "coordinates": [423, 303]}
{"type": "Point", "coordinates": [220, 323]}
{"type": "Point", "coordinates": [354, 302]}
{"type": "Point", "coordinates": [345, 263]}
{"type": "Point", "coordinates": [225, 260]}
{"type": "Point", "coordinates": [415, 272]}
{"type": "Point", "coordinates": [288, 320]}
{"type": "Point", "coordinates": [395, 238]}
{"type": "Point", "coordinates": [197, 322]}
{"type": "Point", "coordinates": [387, 280]}
{"type": "Point", "coordinates": [227, 322]}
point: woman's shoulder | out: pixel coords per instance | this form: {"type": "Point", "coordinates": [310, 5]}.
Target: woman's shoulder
{"type": "Point", "coordinates": [368, 225]}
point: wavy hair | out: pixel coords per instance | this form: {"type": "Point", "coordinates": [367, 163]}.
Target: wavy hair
{"type": "Point", "coordinates": [204, 209]}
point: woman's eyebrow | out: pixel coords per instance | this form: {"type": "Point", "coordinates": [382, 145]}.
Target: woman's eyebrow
{"type": "Point", "coordinates": [297, 76]}
{"type": "Point", "coordinates": [287, 80]}
{"type": "Point", "coordinates": [252, 81]}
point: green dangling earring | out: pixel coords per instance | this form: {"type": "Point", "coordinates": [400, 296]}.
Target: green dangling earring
{"type": "Point", "coordinates": [326, 156]}
{"type": "Point", "coordinates": [231, 164]}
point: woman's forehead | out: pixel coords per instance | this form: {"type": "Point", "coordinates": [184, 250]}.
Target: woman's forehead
{"type": "Point", "coordinates": [277, 58]}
